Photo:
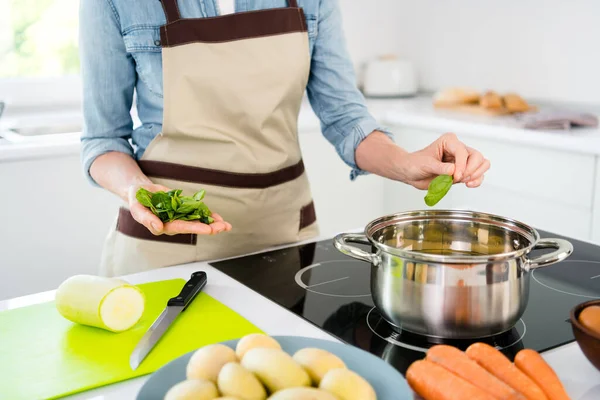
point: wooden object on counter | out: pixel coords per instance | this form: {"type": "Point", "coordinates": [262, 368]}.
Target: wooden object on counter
{"type": "Point", "coordinates": [490, 103]}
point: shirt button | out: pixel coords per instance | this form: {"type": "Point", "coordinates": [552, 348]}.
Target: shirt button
{"type": "Point", "coordinates": [157, 42]}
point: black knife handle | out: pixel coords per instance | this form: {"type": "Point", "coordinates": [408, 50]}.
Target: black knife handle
{"type": "Point", "coordinates": [189, 291]}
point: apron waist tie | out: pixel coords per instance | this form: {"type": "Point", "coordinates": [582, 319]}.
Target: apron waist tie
{"type": "Point", "coordinates": [206, 176]}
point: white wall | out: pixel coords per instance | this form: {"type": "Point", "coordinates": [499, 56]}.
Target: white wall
{"type": "Point", "coordinates": [545, 49]}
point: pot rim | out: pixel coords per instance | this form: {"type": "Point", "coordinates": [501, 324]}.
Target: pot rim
{"type": "Point", "coordinates": [513, 225]}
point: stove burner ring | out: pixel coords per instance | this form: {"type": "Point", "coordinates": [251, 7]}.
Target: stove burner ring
{"type": "Point", "coordinates": [298, 279]}
{"type": "Point", "coordinates": [564, 291]}
{"type": "Point", "coordinates": [393, 341]}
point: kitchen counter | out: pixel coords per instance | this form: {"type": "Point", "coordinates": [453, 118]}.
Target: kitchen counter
{"type": "Point", "coordinates": [416, 112]}
{"type": "Point", "coordinates": [580, 378]}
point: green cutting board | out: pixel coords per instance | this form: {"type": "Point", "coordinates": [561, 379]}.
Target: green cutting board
{"type": "Point", "coordinates": [44, 356]}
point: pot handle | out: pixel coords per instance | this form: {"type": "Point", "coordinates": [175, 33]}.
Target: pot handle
{"type": "Point", "coordinates": [341, 243]}
{"type": "Point", "coordinates": [563, 250]}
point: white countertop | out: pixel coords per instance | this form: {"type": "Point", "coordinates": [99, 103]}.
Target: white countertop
{"type": "Point", "coordinates": [580, 378]}
{"type": "Point", "coordinates": [416, 112]}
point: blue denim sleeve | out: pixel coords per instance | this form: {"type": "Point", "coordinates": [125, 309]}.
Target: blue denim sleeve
{"type": "Point", "coordinates": [108, 78]}
{"type": "Point", "coordinates": [332, 90]}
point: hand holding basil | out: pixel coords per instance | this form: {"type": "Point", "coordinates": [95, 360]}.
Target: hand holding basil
{"type": "Point", "coordinates": [170, 206]}
{"type": "Point", "coordinates": [438, 188]}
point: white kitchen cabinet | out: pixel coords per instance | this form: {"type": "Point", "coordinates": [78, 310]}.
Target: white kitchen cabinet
{"type": "Point", "coordinates": [340, 203]}
{"type": "Point", "coordinates": [53, 224]}
{"type": "Point", "coordinates": [548, 189]}
{"type": "Point", "coordinates": [595, 221]}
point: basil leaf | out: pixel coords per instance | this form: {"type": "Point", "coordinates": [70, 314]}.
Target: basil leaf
{"type": "Point", "coordinates": [170, 206]}
{"type": "Point", "coordinates": [144, 197]}
{"type": "Point", "coordinates": [199, 195]}
{"type": "Point", "coordinates": [438, 188]}
{"type": "Point", "coordinates": [161, 200]}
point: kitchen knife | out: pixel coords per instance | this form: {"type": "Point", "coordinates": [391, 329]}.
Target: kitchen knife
{"type": "Point", "coordinates": [175, 306]}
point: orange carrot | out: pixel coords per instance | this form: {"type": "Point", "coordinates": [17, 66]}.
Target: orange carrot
{"type": "Point", "coordinates": [499, 365]}
{"type": "Point", "coordinates": [535, 367]}
{"type": "Point", "coordinates": [460, 364]}
{"type": "Point", "coordinates": [434, 382]}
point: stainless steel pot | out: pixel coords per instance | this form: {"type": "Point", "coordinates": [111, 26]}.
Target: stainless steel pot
{"type": "Point", "coordinates": [451, 273]}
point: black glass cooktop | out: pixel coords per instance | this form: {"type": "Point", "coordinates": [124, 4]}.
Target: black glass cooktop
{"type": "Point", "coordinates": [332, 291]}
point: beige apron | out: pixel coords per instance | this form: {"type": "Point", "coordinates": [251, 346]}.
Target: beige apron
{"type": "Point", "coordinates": [232, 88]}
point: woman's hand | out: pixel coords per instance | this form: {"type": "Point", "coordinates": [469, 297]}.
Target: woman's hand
{"type": "Point", "coordinates": [145, 217]}
{"type": "Point", "coordinates": [446, 156]}
{"type": "Point", "coordinates": [378, 154]}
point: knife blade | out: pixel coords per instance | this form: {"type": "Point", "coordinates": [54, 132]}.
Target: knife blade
{"type": "Point", "coordinates": [175, 306]}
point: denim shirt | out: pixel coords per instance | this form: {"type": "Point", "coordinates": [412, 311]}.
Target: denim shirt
{"type": "Point", "coordinates": [121, 52]}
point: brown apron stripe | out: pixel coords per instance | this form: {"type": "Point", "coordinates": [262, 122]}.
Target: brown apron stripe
{"type": "Point", "coordinates": [244, 25]}
{"type": "Point", "coordinates": [292, 3]}
{"type": "Point", "coordinates": [205, 176]}
{"type": "Point", "coordinates": [308, 215]}
{"type": "Point", "coordinates": [171, 10]}
{"type": "Point", "coordinates": [130, 227]}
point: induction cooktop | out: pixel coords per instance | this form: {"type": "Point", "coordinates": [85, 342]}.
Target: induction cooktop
{"type": "Point", "coordinates": [332, 291]}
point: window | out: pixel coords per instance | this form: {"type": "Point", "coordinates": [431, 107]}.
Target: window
{"type": "Point", "coordinates": [39, 59]}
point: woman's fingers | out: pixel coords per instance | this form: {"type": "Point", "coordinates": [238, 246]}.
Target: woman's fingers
{"type": "Point", "coordinates": [145, 217]}
{"type": "Point", "coordinates": [457, 149]}
{"type": "Point", "coordinates": [479, 172]}
{"type": "Point", "coordinates": [194, 227]}
{"type": "Point", "coordinates": [474, 164]}
{"type": "Point", "coordinates": [476, 183]}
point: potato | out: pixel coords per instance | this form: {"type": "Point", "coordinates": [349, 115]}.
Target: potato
{"type": "Point", "coordinates": [235, 380]}
{"type": "Point", "coordinates": [347, 385]}
{"type": "Point", "coordinates": [193, 389]}
{"type": "Point", "coordinates": [207, 361]}
{"type": "Point", "coordinates": [317, 362]}
{"type": "Point", "coordinates": [228, 398]}
{"type": "Point", "coordinates": [255, 340]}
{"type": "Point", "coordinates": [275, 368]}
{"type": "Point", "coordinates": [303, 393]}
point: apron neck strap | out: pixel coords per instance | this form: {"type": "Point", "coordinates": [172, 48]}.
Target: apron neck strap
{"type": "Point", "coordinates": [171, 10]}
{"type": "Point", "coordinates": [172, 13]}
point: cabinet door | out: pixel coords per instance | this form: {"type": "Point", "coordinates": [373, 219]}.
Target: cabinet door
{"type": "Point", "coordinates": [341, 204]}
{"type": "Point", "coordinates": [548, 189]}
{"type": "Point", "coordinates": [596, 210]}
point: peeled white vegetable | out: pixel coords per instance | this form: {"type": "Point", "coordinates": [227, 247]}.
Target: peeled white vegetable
{"type": "Point", "coordinates": [275, 368]}
{"type": "Point", "coordinates": [235, 380]}
{"type": "Point", "coordinates": [347, 385]}
{"type": "Point", "coordinates": [303, 393]}
{"type": "Point", "coordinates": [207, 361]}
{"type": "Point", "coordinates": [193, 389]}
{"type": "Point", "coordinates": [253, 341]}
{"type": "Point", "coordinates": [106, 303]}
{"type": "Point", "coordinates": [317, 362]}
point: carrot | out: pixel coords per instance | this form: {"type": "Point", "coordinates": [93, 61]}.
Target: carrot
{"type": "Point", "coordinates": [499, 365]}
{"type": "Point", "coordinates": [434, 382]}
{"type": "Point", "coordinates": [535, 367]}
{"type": "Point", "coordinates": [460, 364]}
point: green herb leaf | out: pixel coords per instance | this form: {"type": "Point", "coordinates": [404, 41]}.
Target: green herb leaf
{"type": "Point", "coordinates": [144, 197]}
{"type": "Point", "coordinates": [174, 204]}
{"type": "Point", "coordinates": [438, 188]}
{"type": "Point", "coordinates": [170, 206]}
{"type": "Point", "coordinates": [199, 195]}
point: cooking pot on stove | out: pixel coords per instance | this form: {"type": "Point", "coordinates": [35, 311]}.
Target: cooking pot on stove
{"type": "Point", "coordinates": [451, 273]}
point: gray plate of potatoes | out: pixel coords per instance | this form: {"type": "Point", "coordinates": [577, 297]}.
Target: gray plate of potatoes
{"type": "Point", "coordinates": [261, 367]}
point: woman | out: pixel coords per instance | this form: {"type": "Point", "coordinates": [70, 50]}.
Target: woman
{"type": "Point", "coordinates": [218, 98]}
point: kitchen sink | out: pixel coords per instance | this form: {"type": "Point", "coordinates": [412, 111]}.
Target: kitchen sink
{"type": "Point", "coordinates": [45, 127]}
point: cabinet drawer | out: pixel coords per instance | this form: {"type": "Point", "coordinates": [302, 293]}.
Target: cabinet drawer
{"type": "Point", "coordinates": [551, 216]}
{"type": "Point", "coordinates": [548, 175]}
